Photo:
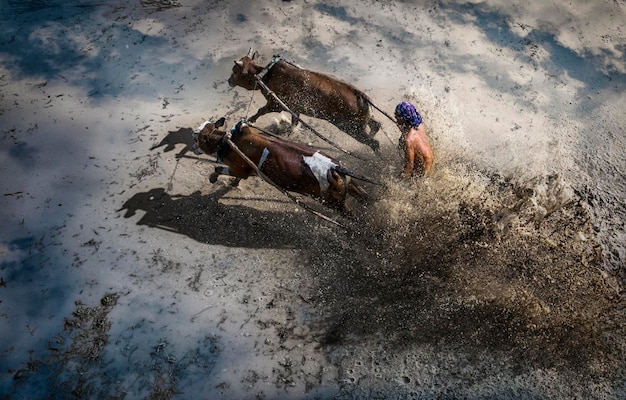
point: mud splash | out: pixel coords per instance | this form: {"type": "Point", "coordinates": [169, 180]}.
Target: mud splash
{"type": "Point", "coordinates": [475, 262]}
{"type": "Point", "coordinates": [472, 258]}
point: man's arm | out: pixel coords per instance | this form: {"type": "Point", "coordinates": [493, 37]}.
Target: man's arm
{"type": "Point", "coordinates": [409, 159]}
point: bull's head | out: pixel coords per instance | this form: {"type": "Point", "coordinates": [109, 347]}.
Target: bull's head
{"type": "Point", "coordinates": [244, 71]}
{"type": "Point", "coordinates": [206, 137]}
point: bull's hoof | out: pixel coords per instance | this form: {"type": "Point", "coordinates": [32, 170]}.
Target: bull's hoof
{"type": "Point", "coordinates": [235, 182]}
{"type": "Point", "coordinates": [213, 177]}
{"type": "Point", "coordinates": [346, 211]}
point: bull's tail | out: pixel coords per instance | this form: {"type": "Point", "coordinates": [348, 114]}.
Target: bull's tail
{"type": "Point", "coordinates": [371, 102]}
{"type": "Point", "coordinates": [375, 125]}
{"type": "Point", "coordinates": [354, 175]}
{"type": "Point", "coordinates": [382, 111]}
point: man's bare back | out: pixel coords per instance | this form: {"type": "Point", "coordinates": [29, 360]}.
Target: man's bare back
{"type": "Point", "coordinates": [418, 156]}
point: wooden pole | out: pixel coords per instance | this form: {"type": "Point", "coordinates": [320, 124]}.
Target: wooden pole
{"type": "Point", "coordinates": [268, 180]}
{"type": "Point", "coordinates": [294, 115]}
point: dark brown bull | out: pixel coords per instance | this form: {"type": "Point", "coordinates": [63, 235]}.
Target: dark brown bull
{"type": "Point", "coordinates": [310, 93]}
{"type": "Point", "coordinates": [291, 166]}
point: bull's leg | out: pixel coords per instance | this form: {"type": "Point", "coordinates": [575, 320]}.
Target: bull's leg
{"type": "Point", "coordinates": [259, 112]}
{"type": "Point", "coordinates": [218, 171]}
{"type": "Point", "coordinates": [357, 131]}
{"type": "Point", "coordinates": [374, 126]}
{"type": "Point", "coordinates": [335, 195]}
{"type": "Point", "coordinates": [271, 106]}
{"type": "Point", "coordinates": [358, 192]}
{"type": "Point", "coordinates": [223, 171]}
{"type": "Point", "coordinates": [367, 140]}
{"type": "Point", "coordinates": [295, 120]}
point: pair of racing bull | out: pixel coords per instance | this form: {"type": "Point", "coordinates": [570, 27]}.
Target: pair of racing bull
{"type": "Point", "coordinates": [292, 166]}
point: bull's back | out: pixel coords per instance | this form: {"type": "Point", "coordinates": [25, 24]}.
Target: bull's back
{"type": "Point", "coordinates": [316, 94]}
{"type": "Point", "coordinates": [285, 166]}
{"type": "Point", "coordinates": [281, 161]}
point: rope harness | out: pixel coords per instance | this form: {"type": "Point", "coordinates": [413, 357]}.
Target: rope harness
{"type": "Point", "coordinates": [227, 138]}
{"type": "Point", "coordinates": [259, 79]}
{"type": "Point", "coordinates": [270, 92]}
{"type": "Point", "coordinates": [224, 140]}
{"type": "Point", "coordinates": [269, 66]}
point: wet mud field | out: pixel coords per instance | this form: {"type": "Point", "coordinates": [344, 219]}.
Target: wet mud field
{"type": "Point", "coordinates": [125, 274]}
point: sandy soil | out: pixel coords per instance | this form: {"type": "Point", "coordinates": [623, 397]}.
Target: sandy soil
{"type": "Point", "coordinates": [125, 274]}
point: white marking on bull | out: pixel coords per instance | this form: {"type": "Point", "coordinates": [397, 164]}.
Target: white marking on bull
{"type": "Point", "coordinates": [264, 156]}
{"type": "Point", "coordinates": [201, 127]}
{"type": "Point", "coordinates": [320, 165]}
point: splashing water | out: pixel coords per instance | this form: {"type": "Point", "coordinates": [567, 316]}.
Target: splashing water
{"type": "Point", "coordinates": [472, 256]}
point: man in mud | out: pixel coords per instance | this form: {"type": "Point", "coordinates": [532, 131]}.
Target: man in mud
{"type": "Point", "coordinates": [418, 156]}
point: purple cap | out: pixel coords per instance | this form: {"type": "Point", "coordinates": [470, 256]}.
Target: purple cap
{"type": "Point", "coordinates": [408, 113]}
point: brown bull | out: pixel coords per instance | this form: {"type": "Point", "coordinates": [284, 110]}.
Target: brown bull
{"type": "Point", "coordinates": [310, 93]}
{"type": "Point", "coordinates": [291, 166]}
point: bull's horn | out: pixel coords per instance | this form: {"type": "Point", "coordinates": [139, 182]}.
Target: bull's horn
{"type": "Point", "coordinates": [249, 52]}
